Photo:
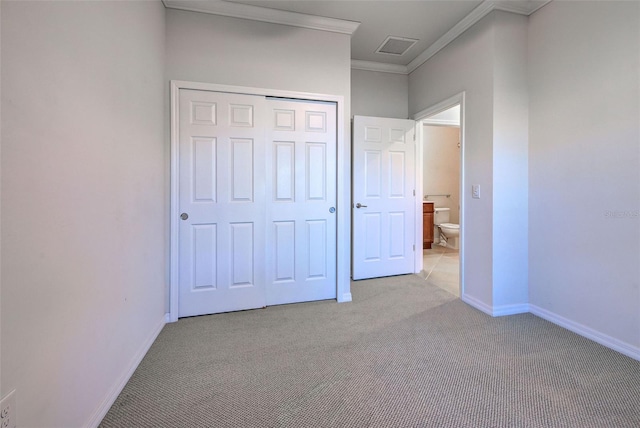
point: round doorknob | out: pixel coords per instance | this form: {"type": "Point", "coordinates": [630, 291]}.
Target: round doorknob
{"type": "Point", "coordinates": [184, 216]}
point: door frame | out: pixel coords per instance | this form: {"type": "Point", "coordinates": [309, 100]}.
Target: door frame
{"type": "Point", "coordinates": [422, 119]}
{"type": "Point", "coordinates": [343, 174]}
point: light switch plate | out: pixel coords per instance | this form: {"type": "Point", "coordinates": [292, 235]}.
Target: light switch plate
{"type": "Point", "coordinates": [475, 191]}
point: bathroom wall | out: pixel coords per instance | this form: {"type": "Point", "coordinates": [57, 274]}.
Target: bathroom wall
{"type": "Point", "coordinates": [442, 167]}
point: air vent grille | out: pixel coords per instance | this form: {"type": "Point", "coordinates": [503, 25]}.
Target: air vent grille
{"type": "Point", "coordinates": [396, 45]}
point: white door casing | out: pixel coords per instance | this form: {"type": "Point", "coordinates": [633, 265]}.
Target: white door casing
{"type": "Point", "coordinates": [257, 187]}
{"type": "Point", "coordinates": [384, 204]}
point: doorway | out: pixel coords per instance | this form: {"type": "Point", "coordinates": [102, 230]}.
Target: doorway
{"type": "Point", "coordinates": [441, 179]}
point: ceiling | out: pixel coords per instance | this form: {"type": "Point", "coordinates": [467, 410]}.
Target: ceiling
{"type": "Point", "coordinates": [434, 23]}
{"type": "Point", "coordinates": [423, 20]}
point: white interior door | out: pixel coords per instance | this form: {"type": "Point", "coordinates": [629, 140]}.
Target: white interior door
{"type": "Point", "coordinates": [301, 195]}
{"type": "Point", "coordinates": [384, 153]}
{"type": "Point", "coordinates": [257, 197]}
{"type": "Point", "coordinates": [222, 200]}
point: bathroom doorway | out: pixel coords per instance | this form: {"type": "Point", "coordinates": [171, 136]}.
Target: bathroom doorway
{"type": "Point", "coordinates": [441, 138]}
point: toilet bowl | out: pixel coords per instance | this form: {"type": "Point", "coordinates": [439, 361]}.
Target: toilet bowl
{"type": "Point", "coordinates": [451, 234]}
{"type": "Point", "coordinates": [450, 231]}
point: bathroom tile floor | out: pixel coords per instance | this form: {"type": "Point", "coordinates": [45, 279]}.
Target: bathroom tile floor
{"type": "Point", "coordinates": [441, 267]}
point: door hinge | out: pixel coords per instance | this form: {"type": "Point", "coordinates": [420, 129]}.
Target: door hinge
{"type": "Point", "coordinates": [414, 192]}
{"type": "Point", "coordinates": [414, 247]}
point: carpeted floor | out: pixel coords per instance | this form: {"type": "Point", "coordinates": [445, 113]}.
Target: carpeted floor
{"type": "Point", "coordinates": [404, 353]}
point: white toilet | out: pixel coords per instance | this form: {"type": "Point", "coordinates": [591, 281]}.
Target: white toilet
{"type": "Point", "coordinates": [442, 226]}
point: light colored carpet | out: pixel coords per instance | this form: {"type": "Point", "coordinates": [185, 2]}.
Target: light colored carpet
{"type": "Point", "coordinates": [404, 354]}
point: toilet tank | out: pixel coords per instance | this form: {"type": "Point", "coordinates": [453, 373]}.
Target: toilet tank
{"type": "Point", "coordinates": [441, 215]}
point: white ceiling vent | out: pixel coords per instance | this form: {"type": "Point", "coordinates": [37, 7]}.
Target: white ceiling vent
{"type": "Point", "coordinates": [396, 45]}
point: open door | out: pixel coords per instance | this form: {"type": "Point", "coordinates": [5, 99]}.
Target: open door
{"type": "Point", "coordinates": [384, 153]}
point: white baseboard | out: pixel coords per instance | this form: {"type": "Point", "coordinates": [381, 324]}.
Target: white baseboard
{"type": "Point", "coordinates": [346, 297]}
{"type": "Point", "coordinates": [118, 386]}
{"type": "Point", "coordinates": [500, 311]}
{"type": "Point", "coordinates": [495, 311]}
{"type": "Point", "coordinates": [481, 306]}
{"type": "Point", "coordinates": [601, 338]}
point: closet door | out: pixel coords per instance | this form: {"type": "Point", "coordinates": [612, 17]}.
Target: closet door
{"type": "Point", "coordinates": [222, 202]}
{"type": "Point", "coordinates": [257, 197]}
{"type": "Point", "coordinates": [301, 201]}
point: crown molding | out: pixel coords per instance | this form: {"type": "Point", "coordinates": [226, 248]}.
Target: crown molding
{"type": "Point", "coordinates": [519, 7]}
{"type": "Point", "coordinates": [467, 22]}
{"type": "Point", "coordinates": [378, 66]}
{"type": "Point", "coordinates": [256, 13]}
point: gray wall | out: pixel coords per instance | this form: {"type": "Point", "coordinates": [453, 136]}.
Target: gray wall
{"type": "Point", "coordinates": [379, 94]}
{"type": "Point", "coordinates": [82, 201]}
{"type": "Point", "coordinates": [230, 51]}
{"type": "Point", "coordinates": [584, 166]}
{"type": "Point", "coordinates": [510, 162]}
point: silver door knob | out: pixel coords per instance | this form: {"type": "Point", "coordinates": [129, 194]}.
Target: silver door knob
{"type": "Point", "coordinates": [359, 205]}
{"type": "Point", "coordinates": [184, 216]}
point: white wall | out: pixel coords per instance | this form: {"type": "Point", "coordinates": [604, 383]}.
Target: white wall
{"type": "Point", "coordinates": [484, 62]}
{"type": "Point", "coordinates": [379, 94]}
{"type": "Point", "coordinates": [82, 202]}
{"type": "Point", "coordinates": [230, 51]}
{"type": "Point", "coordinates": [441, 172]}
{"type": "Point", "coordinates": [467, 65]}
{"type": "Point", "coordinates": [510, 164]}
{"type": "Point", "coordinates": [584, 166]}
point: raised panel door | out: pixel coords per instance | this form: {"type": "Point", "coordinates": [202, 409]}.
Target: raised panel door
{"type": "Point", "coordinates": [301, 201]}
{"type": "Point", "coordinates": [383, 197]}
{"type": "Point", "coordinates": [221, 194]}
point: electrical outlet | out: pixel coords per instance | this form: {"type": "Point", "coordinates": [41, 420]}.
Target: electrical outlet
{"type": "Point", "coordinates": [8, 411]}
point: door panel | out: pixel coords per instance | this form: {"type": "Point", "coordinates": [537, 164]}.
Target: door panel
{"type": "Point", "coordinates": [221, 242]}
{"type": "Point", "coordinates": [301, 190]}
{"type": "Point", "coordinates": [384, 154]}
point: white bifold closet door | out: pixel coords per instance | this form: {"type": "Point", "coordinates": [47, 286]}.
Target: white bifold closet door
{"type": "Point", "coordinates": [257, 191]}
